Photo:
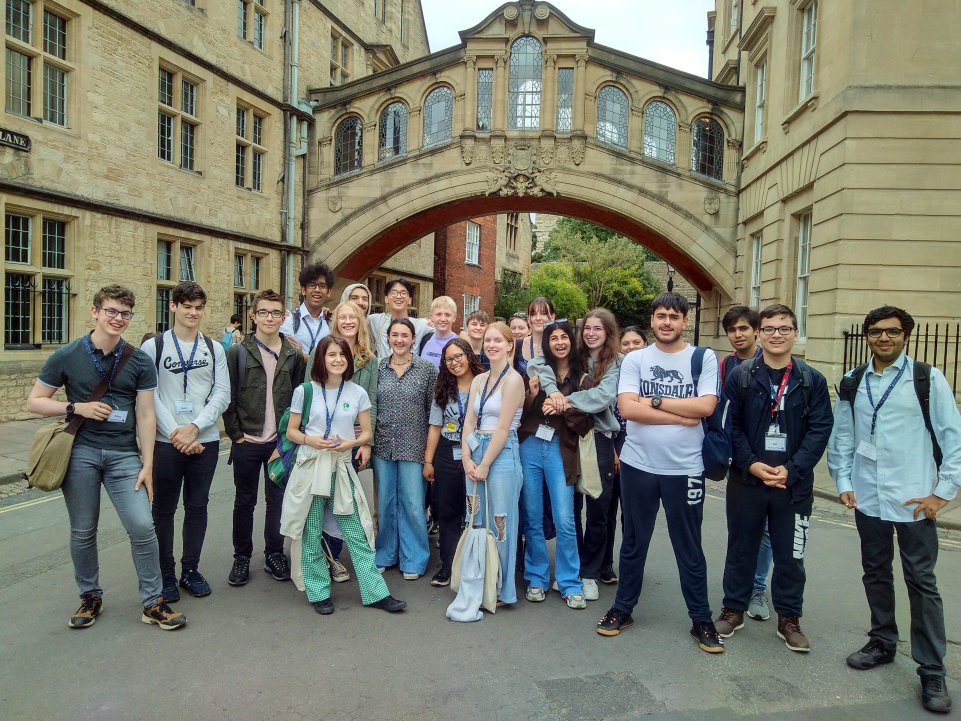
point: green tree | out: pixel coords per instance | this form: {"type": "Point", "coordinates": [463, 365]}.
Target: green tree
{"type": "Point", "coordinates": [556, 281]}
{"type": "Point", "coordinates": [587, 230]}
{"type": "Point", "coordinates": [512, 295]}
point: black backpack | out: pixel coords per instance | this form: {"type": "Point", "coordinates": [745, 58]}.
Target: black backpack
{"type": "Point", "coordinates": [716, 448]}
{"type": "Point", "coordinates": [158, 341]}
{"type": "Point", "coordinates": [424, 341]}
{"type": "Point", "coordinates": [848, 391]}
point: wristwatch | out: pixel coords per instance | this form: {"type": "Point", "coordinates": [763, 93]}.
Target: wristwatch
{"type": "Point", "coordinates": [70, 409]}
{"type": "Point", "coordinates": [656, 402]}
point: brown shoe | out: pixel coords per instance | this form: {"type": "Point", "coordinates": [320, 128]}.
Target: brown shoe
{"type": "Point", "coordinates": [789, 631]}
{"type": "Point", "coordinates": [91, 606]}
{"type": "Point", "coordinates": [728, 622]}
{"type": "Point", "coordinates": [162, 615]}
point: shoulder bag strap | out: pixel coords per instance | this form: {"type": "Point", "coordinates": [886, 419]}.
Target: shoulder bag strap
{"type": "Point", "coordinates": [74, 425]}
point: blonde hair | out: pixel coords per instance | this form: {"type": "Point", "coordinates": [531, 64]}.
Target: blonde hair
{"type": "Point", "coordinates": [505, 331]}
{"type": "Point", "coordinates": [362, 348]}
{"type": "Point", "coordinates": [444, 301]}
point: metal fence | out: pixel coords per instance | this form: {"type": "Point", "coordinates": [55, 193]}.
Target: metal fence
{"type": "Point", "coordinates": [937, 345]}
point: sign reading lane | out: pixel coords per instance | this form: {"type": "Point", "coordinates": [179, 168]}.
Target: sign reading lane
{"type": "Point", "coordinates": [14, 140]}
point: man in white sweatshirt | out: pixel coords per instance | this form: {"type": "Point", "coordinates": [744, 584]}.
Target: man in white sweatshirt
{"type": "Point", "coordinates": [193, 390]}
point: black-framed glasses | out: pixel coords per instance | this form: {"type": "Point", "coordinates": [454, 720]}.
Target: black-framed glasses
{"type": "Point", "coordinates": [399, 294]}
{"type": "Point", "coordinates": [113, 313]}
{"type": "Point", "coordinates": [316, 286]}
{"type": "Point", "coordinates": [269, 314]}
{"type": "Point", "coordinates": [784, 330]}
{"type": "Point", "coordinates": [459, 358]}
{"type": "Point", "coordinates": [889, 332]}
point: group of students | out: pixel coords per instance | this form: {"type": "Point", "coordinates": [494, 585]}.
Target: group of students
{"type": "Point", "coordinates": [488, 424]}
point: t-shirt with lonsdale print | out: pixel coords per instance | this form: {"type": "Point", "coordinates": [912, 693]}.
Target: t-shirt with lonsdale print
{"type": "Point", "coordinates": [666, 450]}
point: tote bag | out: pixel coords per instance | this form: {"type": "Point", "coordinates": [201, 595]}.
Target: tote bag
{"type": "Point", "coordinates": [589, 479]}
{"type": "Point", "coordinates": [492, 569]}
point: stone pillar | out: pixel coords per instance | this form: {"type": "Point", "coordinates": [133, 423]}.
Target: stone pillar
{"type": "Point", "coordinates": [415, 129]}
{"type": "Point", "coordinates": [370, 144]}
{"type": "Point", "coordinates": [470, 93]}
{"type": "Point", "coordinates": [732, 160]}
{"type": "Point", "coordinates": [580, 85]}
{"type": "Point", "coordinates": [499, 120]}
{"type": "Point", "coordinates": [682, 146]}
{"type": "Point", "coordinates": [549, 93]}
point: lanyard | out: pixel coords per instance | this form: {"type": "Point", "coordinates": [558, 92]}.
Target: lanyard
{"type": "Point", "coordinates": [96, 364]}
{"type": "Point", "coordinates": [461, 411]}
{"type": "Point", "coordinates": [485, 396]}
{"type": "Point", "coordinates": [190, 362]}
{"type": "Point", "coordinates": [884, 397]}
{"type": "Point", "coordinates": [330, 415]}
{"type": "Point", "coordinates": [313, 336]}
{"type": "Point", "coordinates": [776, 394]}
{"type": "Point", "coordinates": [276, 356]}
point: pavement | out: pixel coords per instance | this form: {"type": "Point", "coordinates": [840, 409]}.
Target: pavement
{"type": "Point", "coordinates": [260, 652]}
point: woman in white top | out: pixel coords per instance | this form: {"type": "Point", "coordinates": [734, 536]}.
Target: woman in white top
{"type": "Point", "coordinates": [323, 477]}
{"type": "Point", "coordinates": [491, 451]}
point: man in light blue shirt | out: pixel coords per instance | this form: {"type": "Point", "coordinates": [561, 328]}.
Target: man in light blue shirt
{"type": "Point", "coordinates": [306, 326]}
{"type": "Point", "coordinates": [882, 457]}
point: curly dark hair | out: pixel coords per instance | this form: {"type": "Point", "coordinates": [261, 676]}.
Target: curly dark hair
{"type": "Point", "coordinates": [445, 389]}
{"type": "Point", "coordinates": [574, 360]}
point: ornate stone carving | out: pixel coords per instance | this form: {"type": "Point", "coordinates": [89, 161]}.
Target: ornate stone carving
{"type": "Point", "coordinates": [497, 150]}
{"type": "Point", "coordinates": [459, 97]}
{"type": "Point", "coordinates": [590, 98]}
{"type": "Point", "coordinates": [542, 11]}
{"type": "Point", "coordinates": [501, 60]}
{"type": "Point", "coordinates": [467, 150]}
{"type": "Point", "coordinates": [370, 127]}
{"type": "Point", "coordinates": [335, 203]}
{"type": "Point", "coordinates": [637, 111]}
{"type": "Point", "coordinates": [578, 147]}
{"type": "Point", "coordinates": [482, 152]}
{"type": "Point", "coordinates": [471, 60]}
{"type": "Point", "coordinates": [511, 12]}
{"type": "Point", "coordinates": [563, 154]}
{"type": "Point", "coordinates": [712, 205]}
{"type": "Point", "coordinates": [547, 151]}
{"type": "Point", "coordinates": [522, 175]}
{"type": "Point", "coordinates": [734, 144]}
{"type": "Point", "coordinates": [415, 111]}
{"type": "Point", "coordinates": [550, 61]}
{"type": "Point", "coordinates": [581, 60]}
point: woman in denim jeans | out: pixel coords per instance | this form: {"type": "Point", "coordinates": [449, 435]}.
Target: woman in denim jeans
{"type": "Point", "coordinates": [491, 452]}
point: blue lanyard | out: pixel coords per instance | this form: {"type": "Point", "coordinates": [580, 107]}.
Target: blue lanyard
{"type": "Point", "coordinates": [313, 336]}
{"type": "Point", "coordinates": [884, 396]}
{"type": "Point", "coordinates": [96, 364]}
{"type": "Point", "coordinates": [276, 357]}
{"type": "Point", "coordinates": [330, 415]}
{"type": "Point", "coordinates": [190, 362]}
{"type": "Point", "coordinates": [461, 411]}
{"type": "Point", "coordinates": [485, 396]}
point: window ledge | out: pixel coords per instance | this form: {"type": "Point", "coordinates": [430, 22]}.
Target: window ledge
{"type": "Point", "coordinates": [476, 265]}
{"type": "Point", "coordinates": [809, 103]}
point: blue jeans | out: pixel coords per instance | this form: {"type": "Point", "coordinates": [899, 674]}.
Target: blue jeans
{"type": "Point", "coordinates": [504, 482]}
{"type": "Point", "coordinates": [764, 559]}
{"type": "Point", "coordinates": [543, 467]}
{"type": "Point", "coordinates": [117, 471]}
{"type": "Point", "coordinates": [402, 527]}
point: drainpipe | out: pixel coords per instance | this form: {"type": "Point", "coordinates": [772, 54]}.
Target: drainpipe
{"type": "Point", "coordinates": [291, 133]}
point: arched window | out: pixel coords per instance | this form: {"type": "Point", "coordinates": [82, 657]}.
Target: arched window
{"type": "Point", "coordinates": [613, 111]}
{"type": "Point", "coordinates": [438, 116]}
{"type": "Point", "coordinates": [660, 130]}
{"type": "Point", "coordinates": [524, 85]}
{"type": "Point", "coordinates": [392, 132]}
{"type": "Point", "coordinates": [349, 146]}
{"type": "Point", "coordinates": [708, 151]}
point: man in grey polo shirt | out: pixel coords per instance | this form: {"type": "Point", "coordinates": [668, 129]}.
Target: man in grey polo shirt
{"type": "Point", "coordinates": [105, 451]}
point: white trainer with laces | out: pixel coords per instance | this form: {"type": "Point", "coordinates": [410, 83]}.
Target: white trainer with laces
{"type": "Point", "coordinates": [590, 589]}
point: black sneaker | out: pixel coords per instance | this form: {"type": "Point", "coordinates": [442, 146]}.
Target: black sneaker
{"type": "Point", "coordinates": [607, 575]}
{"type": "Point", "coordinates": [872, 654]}
{"type": "Point", "coordinates": [442, 577]}
{"type": "Point", "coordinates": [277, 566]}
{"type": "Point", "coordinates": [934, 694]}
{"type": "Point", "coordinates": [195, 584]}
{"type": "Point", "coordinates": [170, 592]}
{"type": "Point", "coordinates": [325, 607]}
{"type": "Point", "coordinates": [614, 621]}
{"type": "Point", "coordinates": [240, 573]}
{"type": "Point", "coordinates": [389, 604]}
{"type": "Point", "coordinates": [707, 637]}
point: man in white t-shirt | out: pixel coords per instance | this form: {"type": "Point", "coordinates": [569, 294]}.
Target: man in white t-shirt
{"type": "Point", "coordinates": [661, 463]}
{"type": "Point", "coordinates": [397, 300]}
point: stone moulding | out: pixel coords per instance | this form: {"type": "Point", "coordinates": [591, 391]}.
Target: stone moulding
{"type": "Point", "coordinates": [522, 176]}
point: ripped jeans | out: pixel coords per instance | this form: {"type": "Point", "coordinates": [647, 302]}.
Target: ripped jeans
{"type": "Point", "coordinates": [504, 482]}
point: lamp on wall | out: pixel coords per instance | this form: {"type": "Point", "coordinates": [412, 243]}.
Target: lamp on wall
{"type": "Point", "coordinates": [670, 277]}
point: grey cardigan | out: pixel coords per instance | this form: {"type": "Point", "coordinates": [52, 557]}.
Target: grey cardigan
{"type": "Point", "coordinates": [598, 400]}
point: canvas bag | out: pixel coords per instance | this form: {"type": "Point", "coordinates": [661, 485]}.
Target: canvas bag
{"type": "Point", "coordinates": [589, 479]}
{"type": "Point", "coordinates": [492, 566]}
{"type": "Point", "coordinates": [53, 444]}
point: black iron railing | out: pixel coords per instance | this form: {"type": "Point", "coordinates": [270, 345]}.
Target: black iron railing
{"type": "Point", "coordinates": [937, 345]}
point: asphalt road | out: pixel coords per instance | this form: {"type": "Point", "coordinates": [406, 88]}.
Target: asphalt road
{"type": "Point", "coordinates": [260, 652]}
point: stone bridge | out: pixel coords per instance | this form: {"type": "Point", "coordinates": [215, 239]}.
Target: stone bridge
{"type": "Point", "coordinates": [528, 113]}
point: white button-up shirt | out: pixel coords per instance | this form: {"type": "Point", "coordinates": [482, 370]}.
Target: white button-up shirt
{"type": "Point", "coordinates": [311, 329]}
{"type": "Point", "coordinates": [905, 466]}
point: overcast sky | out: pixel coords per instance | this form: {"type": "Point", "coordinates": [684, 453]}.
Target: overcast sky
{"type": "Point", "coordinates": [671, 32]}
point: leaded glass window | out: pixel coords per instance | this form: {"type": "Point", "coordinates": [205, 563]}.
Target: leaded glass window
{"type": "Point", "coordinates": [660, 131]}
{"type": "Point", "coordinates": [53, 328]}
{"type": "Point", "coordinates": [613, 112]}
{"type": "Point", "coordinates": [17, 241]}
{"type": "Point", "coordinates": [438, 116]}
{"type": "Point", "coordinates": [54, 244]}
{"type": "Point", "coordinates": [348, 146]}
{"type": "Point", "coordinates": [17, 309]}
{"type": "Point", "coordinates": [565, 99]}
{"type": "Point", "coordinates": [708, 150]}
{"type": "Point", "coordinates": [392, 132]}
{"type": "Point", "coordinates": [524, 85]}
{"type": "Point", "coordinates": [485, 99]}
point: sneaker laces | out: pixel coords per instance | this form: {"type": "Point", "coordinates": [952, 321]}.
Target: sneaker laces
{"type": "Point", "coordinates": [280, 561]}
{"type": "Point", "coordinates": [727, 614]}
{"type": "Point", "coordinates": [758, 596]}
{"type": "Point", "coordinates": [709, 629]}
{"type": "Point", "coordinates": [613, 615]}
{"type": "Point", "coordinates": [242, 565]}
{"type": "Point", "coordinates": [935, 684]}
{"type": "Point", "coordinates": [872, 645]}
{"type": "Point", "coordinates": [791, 624]}
{"type": "Point", "coordinates": [87, 603]}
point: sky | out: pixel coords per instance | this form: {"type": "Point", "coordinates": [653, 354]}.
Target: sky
{"type": "Point", "coordinates": [670, 32]}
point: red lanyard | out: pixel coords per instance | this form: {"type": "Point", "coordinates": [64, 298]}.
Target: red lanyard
{"type": "Point", "coordinates": [776, 396]}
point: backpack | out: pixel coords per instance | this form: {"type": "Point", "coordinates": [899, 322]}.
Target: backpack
{"type": "Point", "coordinates": [282, 460]}
{"type": "Point", "coordinates": [806, 387]}
{"type": "Point", "coordinates": [228, 339]}
{"type": "Point", "coordinates": [848, 391]}
{"type": "Point", "coordinates": [716, 448]}
{"type": "Point", "coordinates": [424, 341]}
{"type": "Point", "coordinates": [158, 341]}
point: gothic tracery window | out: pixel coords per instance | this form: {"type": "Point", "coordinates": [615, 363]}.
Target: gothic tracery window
{"type": "Point", "coordinates": [524, 85]}
{"type": "Point", "coordinates": [349, 146]}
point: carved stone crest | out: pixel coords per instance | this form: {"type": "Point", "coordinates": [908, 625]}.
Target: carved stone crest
{"type": "Point", "coordinates": [578, 147]}
{"type": "Point", "coordinates": [467, 150]}
{"type": "Point", "coordinates": [712, 205]}
{"type": "Point", "coordinates": [542, 11]}
{"type": "Point", "coordinates": [522, 175]}
{"type": "Point", "coordinates": [335, 203]}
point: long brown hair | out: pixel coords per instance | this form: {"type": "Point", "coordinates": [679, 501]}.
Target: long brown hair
{"type": "Point", "coordinates": [612, 345]}
{"type": "Point", "coordinates": [445, 389]}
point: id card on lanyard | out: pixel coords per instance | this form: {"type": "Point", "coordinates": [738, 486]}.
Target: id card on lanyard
{"type": "Point", "coordinates": [867, 448]}
{"type": "Point", "coordinates": [185, 405]}
{"type": "Point", "coordinates": [774, 440]}
{"type": "Point", "coordinates": [117, 415]}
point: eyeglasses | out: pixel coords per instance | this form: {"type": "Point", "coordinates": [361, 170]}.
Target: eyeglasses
{"type": "Point", "coordinates": [316, 286]}
{"type": "Point", "coordinates": [345, 318]}
{"type": "Point", "coordinates": [889, 332]}
{"type": "Point", "coordinates": [450, 360]}
{"type": "Point", "coordinates": [269, 314]}
{"type": "Point", "coordinates": [113, 313]}
{"type": "Point", "coordinates": [399, 294]}
{"type": "Point", "coordinates": [784, 330]}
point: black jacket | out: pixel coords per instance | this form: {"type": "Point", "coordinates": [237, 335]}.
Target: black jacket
{"type": "Point", "coordinates": [807, 430]}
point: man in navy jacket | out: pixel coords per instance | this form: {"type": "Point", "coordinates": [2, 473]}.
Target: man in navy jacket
{"type": "Point", "coordinates": [782, 420]}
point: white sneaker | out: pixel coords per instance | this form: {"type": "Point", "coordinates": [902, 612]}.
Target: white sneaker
{"type": "Point", "coordinates": [555, 587]}
{"type": "Point", "coordinates": [411, 576]}
{"type": "Point", "coordinates": [338, 572]}
{"type": "Point", "coordinates": [590, 589]}
{"type": "Point", "coordinates": [576, 600]}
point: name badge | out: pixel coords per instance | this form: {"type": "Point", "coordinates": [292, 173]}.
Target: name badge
{"type": "Point", "coordinates": [868, 450]}
{"type": "Point", "coordinates": [184, 407]}
{"type": "Point", "coordinates": [545, 433]}
{"type": "Point", "coordinates": [472, 442]}
{"type": "Point", "coordinates": [775, 442]}
{"type": "Point", "coordinates": [458, 453]}
{"type": "Point", "coordinates": [117, 417]}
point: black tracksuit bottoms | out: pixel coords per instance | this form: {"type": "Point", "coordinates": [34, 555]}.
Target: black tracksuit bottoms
{"type": "Point", "coordinates": [748, 506]}
{"type": "Point", "coordinates": [642, 494]}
